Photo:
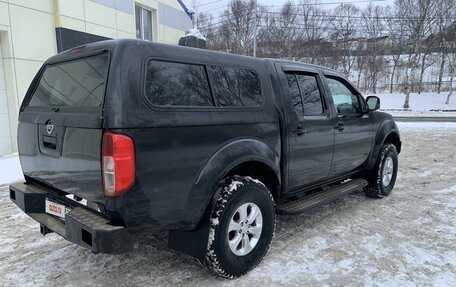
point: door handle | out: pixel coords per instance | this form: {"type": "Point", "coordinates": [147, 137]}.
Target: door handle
{"type": "Point", "coordinates": [340, 127]}
{"type": "Point", "coordinates": [50, 142]}
{"type": "Point", "coordinates": [300, 131]}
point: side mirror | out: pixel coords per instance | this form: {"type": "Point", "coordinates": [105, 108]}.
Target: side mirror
{"type": "Point", "coordinates": [373, 103]}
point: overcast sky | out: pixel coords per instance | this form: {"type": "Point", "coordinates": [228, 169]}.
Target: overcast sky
{"type": "Point", "coordinates": [215, 7]}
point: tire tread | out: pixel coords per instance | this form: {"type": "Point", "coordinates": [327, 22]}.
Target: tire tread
{"type": "Point", "coordinates": [226, 192]}
{"type": "Point", "coordinates": [375, 175]}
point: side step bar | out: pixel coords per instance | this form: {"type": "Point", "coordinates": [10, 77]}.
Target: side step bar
{"type": "Point", "coordinates": [314, 200]}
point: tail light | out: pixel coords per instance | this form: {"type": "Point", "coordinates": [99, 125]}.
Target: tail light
{"type": "Point", "coordinates": [118, 163]}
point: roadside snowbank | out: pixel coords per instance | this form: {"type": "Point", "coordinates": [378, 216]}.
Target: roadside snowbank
{"type": "Point", "coordinates": [421, 105]}
{"type": "Point", "coordinates": [10, 169]}
{"type": "Point", "coordinates": [423, 126]}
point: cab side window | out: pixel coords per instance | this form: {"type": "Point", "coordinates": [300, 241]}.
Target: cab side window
{"type": "Point", "coordinates": [305, 94]}
{"type": "Point", "coordinates": [345, 101]}
{"type": "Point", "coordinates": [295, 94]}
{"type": "Point", "coordinates": [310, 93]}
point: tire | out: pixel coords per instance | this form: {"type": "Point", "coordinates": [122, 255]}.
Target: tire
{"type": "Point", "coordinates": [247, 196]}
{"type": "Point", "coordinates": [383, 176]}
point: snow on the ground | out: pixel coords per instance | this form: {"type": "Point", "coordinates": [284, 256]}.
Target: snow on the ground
{"type": "Point", "coordinates": [422, 126]}
{"type": "Point", "coordinates": [421, 105]}
{"type": "Point", "coordinates": [406, 239]}
{"type": "Point", "coordinates": [10, 169]}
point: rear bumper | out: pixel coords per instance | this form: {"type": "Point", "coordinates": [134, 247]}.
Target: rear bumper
{"type": "Point", "coordinates": [80, 226]}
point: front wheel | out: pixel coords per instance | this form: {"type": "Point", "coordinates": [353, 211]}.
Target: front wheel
{"type": "Point", "coordinates": [383, 176]}
{"type": "Point", "coordinates": [242, 225]}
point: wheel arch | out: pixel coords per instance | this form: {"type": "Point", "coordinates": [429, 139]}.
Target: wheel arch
{"type": "Point", "coordinates": [246, 157]}
{"type": "Point", "coordinates": [393, 138]}
{"type": "Point", "coordinates": [387, 133]}
{"type": "Point", "coordinates": [261, 171]}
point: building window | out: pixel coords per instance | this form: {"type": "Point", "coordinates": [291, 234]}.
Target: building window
{"type": "Point", "coordinates": [143, 23]}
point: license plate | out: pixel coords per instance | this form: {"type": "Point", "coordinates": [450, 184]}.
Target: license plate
{"type": "Point", "coordinates": [55, 208]}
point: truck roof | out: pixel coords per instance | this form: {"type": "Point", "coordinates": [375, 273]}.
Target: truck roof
{"type": "Point", "coordinates": [113, 45]}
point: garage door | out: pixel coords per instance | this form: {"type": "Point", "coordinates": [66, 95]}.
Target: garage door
{"type": "Point", "coordinates": [5, 133]}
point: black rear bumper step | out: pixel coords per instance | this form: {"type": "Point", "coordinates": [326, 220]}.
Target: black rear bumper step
{"type": "Point", "coordinates": [314, 200]}
{"type": "Point", "coordinates": [80, 226]}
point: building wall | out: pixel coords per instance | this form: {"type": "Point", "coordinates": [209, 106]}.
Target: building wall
{"type": "Point", "coordinates": [28, 35]}
{"type": "Point", "coordinates": [5, 134]}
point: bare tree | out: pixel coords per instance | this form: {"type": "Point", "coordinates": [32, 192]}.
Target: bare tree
{"type": "Point", "coordinates": [314, 23]}
{"type": "Point", "coordinates": [205, 23]}
{"type": "Point", "coordinates": [396, 31]}
{"type": "Point", "coordinates": [445, 14]}
{"type": "Point", "coordinates": [290, 33]}
{"type": "Point", "coordinates": [427, 60]}
{"type": "Point", "coordinates": [280, 32]}
{"type": "Point", "coordinates": [394, 45]}
{"type": "Point", "coordinates": [360, 65]}
{"type": "Point", "coordinates": [373, 26]}
{"type": "Point", "coordinates": [417, 16]}
{"type": "Point", "coordinates": [345, 24]}
{"type": "Point", "coordinates": [452, 67]}
{"type": "Point", "coordinates": [241, 21]}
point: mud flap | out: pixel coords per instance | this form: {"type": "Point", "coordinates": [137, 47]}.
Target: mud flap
{"type": "Point", "coordinates": [194, 242]}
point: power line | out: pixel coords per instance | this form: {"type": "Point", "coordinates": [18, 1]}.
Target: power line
{"type": "Point", "coordinates": [209, 3]}
{"type": "Point", "coordinates": [334, 17]}
{"type": "Point", "coordinates": [296, 5]}
{"type": "Point", "coordinates": [327, 3]}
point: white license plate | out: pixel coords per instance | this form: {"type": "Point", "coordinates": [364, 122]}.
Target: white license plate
{"type": "Point", "coordinates": [55, 208]}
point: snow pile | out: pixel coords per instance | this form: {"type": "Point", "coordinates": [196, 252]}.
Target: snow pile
{"type": "Point", "coordinates": [426, 126]}
{"type": "Point", "coordinates": [421, 105]}
{"type": "Point", "coordinates": [195, 33]}
{"type": "Point", "coordinates": [10, 169]}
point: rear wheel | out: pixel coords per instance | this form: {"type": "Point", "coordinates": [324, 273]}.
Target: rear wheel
{"type": "Point", "coordinates": [383, 176]}
{"type": "Point", "coordinates": [242, 225]}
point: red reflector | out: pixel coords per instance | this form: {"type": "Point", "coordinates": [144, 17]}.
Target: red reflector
{"type": "Point", "coordinates": [118, 163]}
{"type": "Point", "coordinates": [78, 49]}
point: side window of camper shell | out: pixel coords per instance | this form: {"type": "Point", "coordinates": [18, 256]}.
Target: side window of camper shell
{"type": "Point", "coordinates": [177, 84]}
{"type": "Point", "coordinates": [183, 84]}
{"type": "Point", "coordinates": [235, 87]}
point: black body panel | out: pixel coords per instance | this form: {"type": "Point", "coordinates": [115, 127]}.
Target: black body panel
{"type": "Point", "coordinates": [72, 166]}
{"type": "Point", "coordinates": [182, 153]}
{"type": "Point", "coordinates": [310, 138]}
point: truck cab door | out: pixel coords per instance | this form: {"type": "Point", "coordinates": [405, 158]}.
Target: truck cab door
{"type": "Point", "coordinates": [353, 126]}
{"type": "Point", "coordinates": [309, 130]}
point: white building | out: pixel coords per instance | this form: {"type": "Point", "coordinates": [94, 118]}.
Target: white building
{"type": "Point", "coordinates": [33, 30]}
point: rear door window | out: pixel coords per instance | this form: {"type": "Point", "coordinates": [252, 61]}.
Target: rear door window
{"type": "Point", "coordinates": [177, 84]}
{"type": "Point", "coordinates": [295, 94]}
{"type": "Point", "coordinates": [79, 83]}
{"type": "Point", "coordinates": [311, 96]}
{"type": "Point", "coordinates": [305, 94]}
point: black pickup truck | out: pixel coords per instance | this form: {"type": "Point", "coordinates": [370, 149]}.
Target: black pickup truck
{"type": "Point", "coordinates": [125, 136]}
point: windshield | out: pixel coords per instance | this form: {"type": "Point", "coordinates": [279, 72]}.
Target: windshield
{"type": "Point", "coordinates": [79, 83]}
